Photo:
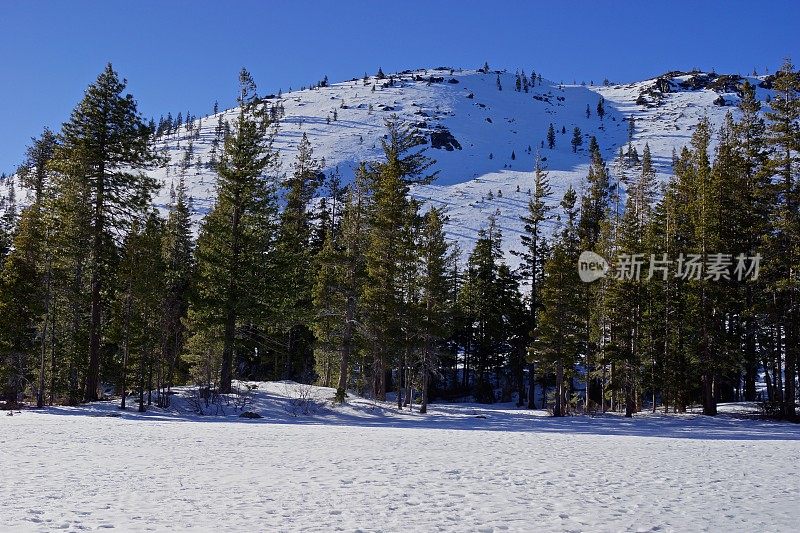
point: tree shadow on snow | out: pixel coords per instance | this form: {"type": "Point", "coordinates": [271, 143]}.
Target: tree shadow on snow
{"type": "Point", "coordinates": [281, 409]}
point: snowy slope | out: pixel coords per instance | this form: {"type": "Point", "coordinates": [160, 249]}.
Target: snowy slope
{"type": "Point", "coordinates": [366, 467]}
{"type": "Point", "coordinates": [485, 121]}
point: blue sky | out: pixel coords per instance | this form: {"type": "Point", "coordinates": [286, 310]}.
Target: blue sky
{"type": "Point", "coordinates": [180, 55]}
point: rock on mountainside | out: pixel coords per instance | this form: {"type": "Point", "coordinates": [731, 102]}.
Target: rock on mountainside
{"type": "Point", "coordinates": [473, 128]}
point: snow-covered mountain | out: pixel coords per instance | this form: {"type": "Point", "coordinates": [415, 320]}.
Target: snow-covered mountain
{"type": "Point", "coordinates": [484, 137]}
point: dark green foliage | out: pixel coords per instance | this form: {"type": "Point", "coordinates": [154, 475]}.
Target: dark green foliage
{"type": "Point", "coordinates": [389, 239]}
{"type": "Point", "coordinates": [102, 150]}
{"type": "Point", "coordinates": [295, 257]}
{"type": "Point", "coordinates": [559, 326]}
{"type": "Point", "coordinates": [577, 139]}
{"type": "Point", "coordinates": [551, 137]}
{"type": "Point", "coordinates": [237, 238]}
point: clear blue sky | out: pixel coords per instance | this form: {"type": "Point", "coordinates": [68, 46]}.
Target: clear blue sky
{"type": "Point", "coordinates": [180, 55]}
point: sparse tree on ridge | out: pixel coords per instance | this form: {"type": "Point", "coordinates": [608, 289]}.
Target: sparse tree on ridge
{"type": "Point", "coordinates": [577, 139]}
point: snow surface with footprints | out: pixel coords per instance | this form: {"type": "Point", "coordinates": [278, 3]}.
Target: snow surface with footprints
{"type": "Point", "coordinates": [365, 466]}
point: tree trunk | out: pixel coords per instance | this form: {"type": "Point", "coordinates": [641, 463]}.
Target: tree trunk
{"type": "Point", "coordinates": [379, 376]}
{"type": "Point", "coordinates": [93, 372]}
{"type": "Point", "coordinates": [347, 348]}
{"type": "Point", "coordinates": [141, 383]}
{"type": "Point", "coordinates": [630, 400]}
{"type": "Point", "coordinates": [520, 376]}
{"type": "Point", "coordinates": [790, 358]}
{"type": "Point", "coordinates": [40, 391]}
{"type": "Point", "coordinates": [531, 386]}
{"type": "Point", "coordinates": [558, 408]}
{"type": "Point", "coordinates": [149, 376]}
{"type": "Point", "coordinates": [423, 408]}
{"type": "Point", "coordinates": [125, 329]}
{"type": "Point", "coordinates": [226, 372]}
{"type": "Point", "coordinates": [173, 361]}
{"type": "Point", "coordinates": [425, 371]}
{"type": "Point", "coordinates": [52, 356]}
{"type": "Point", "coordinates": [401, 379]}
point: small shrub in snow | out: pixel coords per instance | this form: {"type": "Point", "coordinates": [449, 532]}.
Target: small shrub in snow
{"type": "Point", "coordinates": [205, 401]}
{"type": "Point", "coordinates": [303, 399]}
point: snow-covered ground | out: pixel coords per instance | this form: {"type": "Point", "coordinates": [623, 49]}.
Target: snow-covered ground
{"type": "Point", "coordinates": [366, 467]}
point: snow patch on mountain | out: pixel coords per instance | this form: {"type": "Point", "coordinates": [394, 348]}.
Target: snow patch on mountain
{"type": "Point", "coordinates": [486, 137]}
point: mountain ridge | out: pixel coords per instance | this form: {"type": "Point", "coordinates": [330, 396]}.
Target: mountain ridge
{"type": "Point", "coordinates": [483, 133]}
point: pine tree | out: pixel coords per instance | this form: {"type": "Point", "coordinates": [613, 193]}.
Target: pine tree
{"type": "Point", "coordinates": [177, 254]}
{"type": "Point", "coordinates": [577, 139]}
{"type": "Point", "coordinates": [410, 340]}
{"type": "Point", "coordinates": [21, 306]}
{"type": "Point", "coordinates": [402, 165]}
{"type": "Point", "coordinates": [434, 299]}
{"type": "Point", "coordinates": [480, 301]}
{"type": "Point", "coordinates": [296, 261]}
{"type": "Point", "coordinates": [34, 237]}
{"type": "Point", "coordinates": [694, 221]}
{"type": "Point", "coordinates": [551, 137]}
{"type": "Point", "coordinates": [325, 325]}
{"type": "Point", "coordinates": [750, 133]}
{"type": "Point", "coordinates": [784, 139]}
{"type": "Point", "coordinates": [236, 243]}
{"type": "Point", "coordinates": [34, 173]}
{"type": "Point", "coordinates": [104, 146]}
{"type": "Point", "coordinates": [532, 256]}
{"type": "Point", "coordinates": [627, 346]}
{"type": "Point", "coordinates": [512, 334]}
{"type": "Point", "coordinates": [594, 212]}
{"type": "Point", "coordinates": [340, 279]}
{"type": "Point", "coordinates": [559, 323]}
{"type": "Point", "coordinates": [70, 228]}
{"type": "Point", "coordinates": [625, 301]}
{"type": "Point", "coordinates": [595, 202]}
{"type": "Point", "coordinates": [139, 308]}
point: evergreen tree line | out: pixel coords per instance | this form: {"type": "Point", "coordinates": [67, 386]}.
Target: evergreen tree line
{"type": "Point", "coordinates": [359, 289]}
{"type": "Point", "coordinates": [669, 340]}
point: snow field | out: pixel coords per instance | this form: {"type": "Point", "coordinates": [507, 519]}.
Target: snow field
{"type": "Point", "coordinates": [365, 467]}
